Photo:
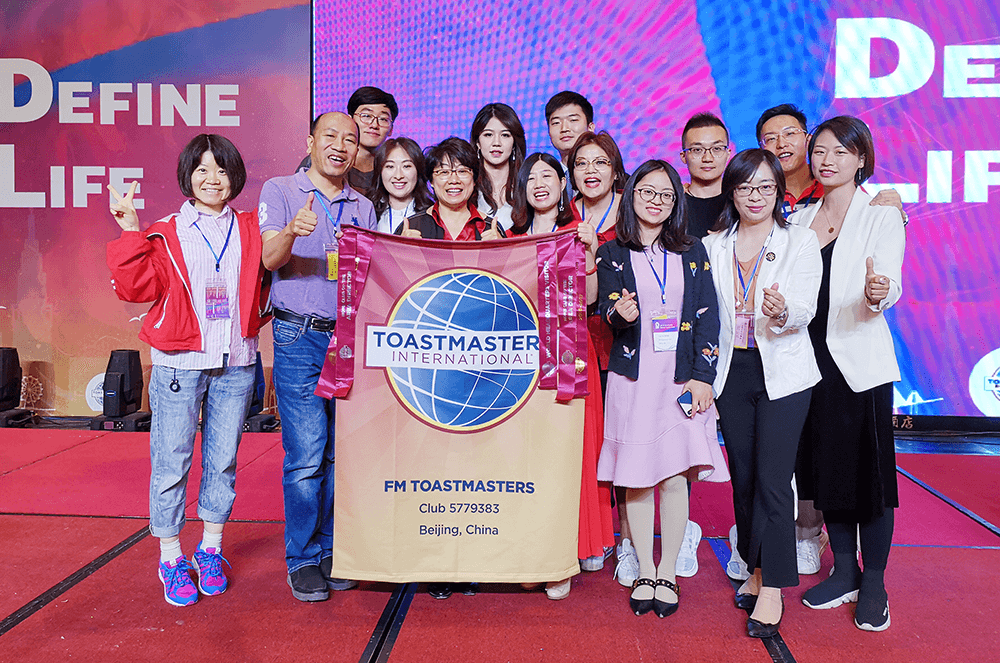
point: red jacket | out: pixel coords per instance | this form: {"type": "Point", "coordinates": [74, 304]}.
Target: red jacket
{"type": "Point", "coordinates": [148, 266]}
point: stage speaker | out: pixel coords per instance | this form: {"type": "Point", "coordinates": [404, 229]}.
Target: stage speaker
{"type": "Point", "coordinates": [11, 416]}
{"type": "Point", "coordinates": [257, 422]}
{"type": "Point", "coordinates": [123, 395]}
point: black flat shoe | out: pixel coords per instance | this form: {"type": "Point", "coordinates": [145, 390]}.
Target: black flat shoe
{"type": "Point", "coordinates": [746, 601]}
{"type": "Point", "coordinates": [641, 606]}
{"type": "Point", "coordinates": [662, 608]}
{"type": "Point", "coordinates": [756, 629]}
{"type": "Point", "coordinates": [439, 590]}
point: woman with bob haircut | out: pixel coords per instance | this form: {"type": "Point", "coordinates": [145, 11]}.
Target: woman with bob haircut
{"type": "Point", "coordinates": [400, 190]}
{"type": "Point", "coordinates": [655, 292]}
{"type": "Point", "coordinates": [541, 205]}
{"type": "Point", "coordinates": [201, 268]}
{"type": "Point", "coordinates": [847, 463]}
{"type": "Point", "coordinates": [453, 169]}
{"type": "Point", "coordinates": [498, 137]}
{"type": "Point", "coordinates": [767, 274]}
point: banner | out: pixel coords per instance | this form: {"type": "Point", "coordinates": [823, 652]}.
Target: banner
{"type": "Point", "coordinates": [460, 370]}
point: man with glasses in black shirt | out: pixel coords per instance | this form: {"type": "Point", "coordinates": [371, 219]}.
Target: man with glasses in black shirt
{"type": "Point", "coordinates": [705, 143]}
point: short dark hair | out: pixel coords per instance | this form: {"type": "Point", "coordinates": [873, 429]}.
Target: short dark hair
{"type": "Point", "coordinates": [226, 155]}
{"type": "Point", "coordinates": [701, 120]}
{"type": "Point", "coordinates": [508, 118]}
{"type": "Point", "coordinates": [673, 233]}
{"type": "Point", "coordinates": [524, 213]}
{"type": "Point", "coordinates": [565, 98]}
{"type": "Point", "coordinates": [458, 152]}
{"type": "Point", "coordinates": [740, 170]}
{"type": "Point", "coordinates": [784, 109]}
{"type": "Point", "coordinates": [604, 141]}
{"type": "Point", "coordinates": [315, 123]}
{"type": "Point", "coordinates": [853, 134]}
{"type": "Point", "coordinates": [370, 95]}
{"type": "Point", "coordinates": [379, 194]}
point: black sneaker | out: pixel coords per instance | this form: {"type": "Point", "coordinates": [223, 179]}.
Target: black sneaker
{"type": "Point", "coordinates": [439, 590]}
{"type": "Point", "coordinates": [308, 584]}
{"type": "Point", "coordinates": [872, 613]}
{"type": "Point", "coordinates": [336, 584]}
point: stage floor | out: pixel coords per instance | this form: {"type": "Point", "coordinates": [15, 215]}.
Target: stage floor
{"type": "Point", "coordinates": [80, 578]}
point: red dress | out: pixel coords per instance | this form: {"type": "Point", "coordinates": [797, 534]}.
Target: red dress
{"type": "Point", "coordinates": [596, 528]}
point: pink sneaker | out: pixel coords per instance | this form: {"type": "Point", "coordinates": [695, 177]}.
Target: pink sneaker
{"type": "Point", "coordinates": [208, 565]}
{"type": "Point", "coordinates": [177, 586]}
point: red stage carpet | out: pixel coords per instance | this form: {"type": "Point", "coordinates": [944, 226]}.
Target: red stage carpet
{"type": "Point", "coordinates": [80, 583]}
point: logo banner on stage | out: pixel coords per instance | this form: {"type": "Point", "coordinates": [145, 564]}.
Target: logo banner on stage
{"type": "Point", "coordinates": [459, 370]}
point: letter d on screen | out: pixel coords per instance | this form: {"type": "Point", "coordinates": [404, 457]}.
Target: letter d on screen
{"type": "Point", "coordinates": [854, 51]}
{"type": "Point", "coordinates": [41, 90]}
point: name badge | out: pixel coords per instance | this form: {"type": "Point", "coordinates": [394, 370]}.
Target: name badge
{"type": "Point", "coordinates": [743, 332]}
{"type": "Point", "coordinates": [332, 262]}
{"type": "Point", "coordinates": [665, 328]}
{"type": "Point", "coordinates": [216, 299]}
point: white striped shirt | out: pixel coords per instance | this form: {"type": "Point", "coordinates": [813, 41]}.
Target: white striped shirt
{"type": "Point", "coordinates": [223, 336]}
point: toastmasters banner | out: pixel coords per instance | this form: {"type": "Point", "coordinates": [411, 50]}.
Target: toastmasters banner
{"type": "Point", "coordinates": [459, 368]}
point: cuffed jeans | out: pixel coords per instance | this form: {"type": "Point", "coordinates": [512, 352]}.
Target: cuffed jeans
{"type": "Point", "coordinates": [225, 394]}
{"type": "Point", "coordinates": [307, 435]}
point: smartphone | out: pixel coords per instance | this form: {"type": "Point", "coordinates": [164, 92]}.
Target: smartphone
{"type": "Point", "coordinates": [685, 401]}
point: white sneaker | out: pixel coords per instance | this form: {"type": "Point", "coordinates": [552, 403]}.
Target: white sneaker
{"type": "Point", "coordinates": [687, 558]}
{"type": "Point", "coordinates": [808, 553]}
{"type": "Point", "coordinates": [628, 564]}
{"type": "Point", "coordinates": [736, 568]}
{"type": "Point", "coordinates": [595, 563]}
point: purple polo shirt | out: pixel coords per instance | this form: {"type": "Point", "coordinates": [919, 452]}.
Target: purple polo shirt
{"type": "Point", "coordinates": [300, 286]}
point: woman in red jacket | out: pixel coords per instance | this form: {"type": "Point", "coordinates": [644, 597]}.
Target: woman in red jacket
{"type": "Point", "coordinates": [201, 269]}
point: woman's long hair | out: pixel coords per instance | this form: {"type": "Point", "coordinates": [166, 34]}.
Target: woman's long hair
{"type": "Point", "coordinates": [524, 214]}
{"type": "Point", "coordinates": [673, 233]}
{"type": "Point", "coordinates": [380, 195]}
{"type": "Point", "coordinates": [509, 119]}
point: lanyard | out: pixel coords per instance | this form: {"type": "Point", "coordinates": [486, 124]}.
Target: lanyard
{"type": "Point", "coordinates": [660, 282]}
{"type": "Point", "coordinates": [583, 213]}
{"type": "Point", "coordinates": [340, 211]}
{"type": "Point", "coordinates": [739, 270]}
{"type": "Point", "coordinates": [555, 226]}
{"type": "Point", "coordinates": [218, 258]}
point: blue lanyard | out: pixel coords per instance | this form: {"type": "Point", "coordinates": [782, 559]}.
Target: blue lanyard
{"type": "Point", "coordinates": [555, 226]}
{"type": "Point", "coordinates": [583, 213]}
{"type": "Point", "coordinates": [218, 258]}
{"type": "Point", "coordinates": [340, 211]}
{"type": "Point", "coordinates": [739, 270]}
{"type": "Point", "coordinates": [662, 283]}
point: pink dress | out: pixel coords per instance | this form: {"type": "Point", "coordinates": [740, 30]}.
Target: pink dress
{"type": "Point", "coordinates": [647, 437]}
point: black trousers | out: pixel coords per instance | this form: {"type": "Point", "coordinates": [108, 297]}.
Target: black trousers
{"type": "Point", "coordinates": [762, 440]}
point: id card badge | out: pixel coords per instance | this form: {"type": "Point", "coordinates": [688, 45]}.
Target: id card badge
{"type": "Point", "coordinates": [216, 299]}
{"type": "Point", "coordinates": [665, 328]}
{"type": "Point", "coordinates": [332, 262]}
{"type": "Point", "coordinates": [743, 332]}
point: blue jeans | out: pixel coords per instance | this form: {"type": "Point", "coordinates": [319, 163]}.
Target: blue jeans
{"type": "Point", "coordinates": [307, 435]}
{"type": "Point", "coordinates": [225, 394]}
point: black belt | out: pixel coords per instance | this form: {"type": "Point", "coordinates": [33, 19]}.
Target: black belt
{"type": "Point", "coordinates": [307, 321]}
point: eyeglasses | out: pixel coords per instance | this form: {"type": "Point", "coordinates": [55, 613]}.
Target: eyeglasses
{"type": "Point", "coordinates": [600, 163]}
{"type": "Point", "coordinates": [768, 140]}
{"type": "Point", "coordinates": [718, 151]}
{"type": "Point", "coordinates": [368, 119]}
{"type": "Point", "coordinates": [649, 195]}
{"type": "Point", "coordinates": [463, 173]}
{"type": "Point", "coordinates": [745, 190]}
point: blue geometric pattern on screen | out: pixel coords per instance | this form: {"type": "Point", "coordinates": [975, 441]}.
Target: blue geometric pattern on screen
{"type": "Point", "coordinates": [464, 301]}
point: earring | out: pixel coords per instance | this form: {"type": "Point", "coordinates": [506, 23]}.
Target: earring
{"type": "Point", "coordinates": [560, 203]}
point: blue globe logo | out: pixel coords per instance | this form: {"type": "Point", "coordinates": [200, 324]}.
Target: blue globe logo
{"type": "Point", "coordinates": [456, 304]}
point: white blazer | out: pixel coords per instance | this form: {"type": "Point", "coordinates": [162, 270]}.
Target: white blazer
{"type": "Point", "coordinates": [792, 260]}
{"type": "Point", "coordinates": [857, 333]}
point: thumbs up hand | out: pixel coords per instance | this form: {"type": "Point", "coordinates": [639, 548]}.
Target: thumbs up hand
{"type": "Point", "coordinates": [773, 305]}
{"type": "Point", "coordinates": [305, 219]}
{"type": "Point", "coordinates": [876, 285]}
{"type": "Point", "coordinates": [123, 208]}
{"type": "Point", "coordinates": [409, 232]}
{"type": "Point", "coordinates": [626, 306]}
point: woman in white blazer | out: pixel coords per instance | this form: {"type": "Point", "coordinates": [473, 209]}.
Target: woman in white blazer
{"type": "Point", "coordinates": [847, 462]}
{"type": "Point", "coordinates": [767, 275]}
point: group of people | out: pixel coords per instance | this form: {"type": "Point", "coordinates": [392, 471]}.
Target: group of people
{"type": "Point", "coordinates": [753, 295]}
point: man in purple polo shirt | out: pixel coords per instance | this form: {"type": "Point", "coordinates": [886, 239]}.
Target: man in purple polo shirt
{"type": "Point", "coordinates": [300, 220]}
